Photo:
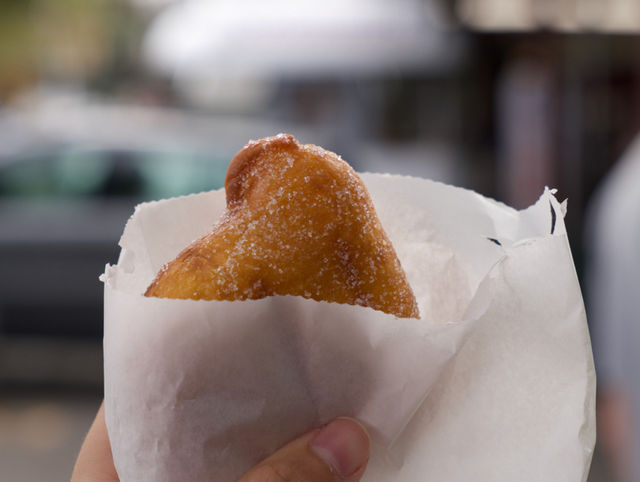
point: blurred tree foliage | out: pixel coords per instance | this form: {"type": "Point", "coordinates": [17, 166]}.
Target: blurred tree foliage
{"type": "Point", "coordinates": [17, 46]}
{"type": "Point", "coordinates": [86, 42]}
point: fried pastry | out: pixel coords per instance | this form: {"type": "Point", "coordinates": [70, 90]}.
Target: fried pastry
{"type": "Point", "coordinates": [299, 221]}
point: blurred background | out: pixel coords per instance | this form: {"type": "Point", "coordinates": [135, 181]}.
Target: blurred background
{"type": "Point", "coordinates": [105, 103]}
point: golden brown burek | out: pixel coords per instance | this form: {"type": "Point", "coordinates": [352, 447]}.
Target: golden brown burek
{"type": "Point", "coordinates": [299, 221]}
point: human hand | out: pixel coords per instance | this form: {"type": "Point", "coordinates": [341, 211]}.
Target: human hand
{"type": "Point", "coordinates": [336, 452]}
{"type": "Point", "coordinates": [615, 431]}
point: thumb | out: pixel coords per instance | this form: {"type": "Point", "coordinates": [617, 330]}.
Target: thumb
{"type": "Point", "coordinates": [338, 451]}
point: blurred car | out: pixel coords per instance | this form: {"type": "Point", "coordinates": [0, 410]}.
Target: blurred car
{"type": "Point", "coordinates": [61, 215]}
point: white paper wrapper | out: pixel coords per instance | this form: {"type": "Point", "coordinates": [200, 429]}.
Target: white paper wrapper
{"type": "Point", "coordinates": [494, 383]}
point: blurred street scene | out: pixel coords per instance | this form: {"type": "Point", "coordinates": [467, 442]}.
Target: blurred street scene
{"type": "Point", "coordinates": [104, 104]}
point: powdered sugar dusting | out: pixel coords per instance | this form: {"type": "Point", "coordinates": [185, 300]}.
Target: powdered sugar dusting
{"type": "Point", "coordinates": [302, 224]}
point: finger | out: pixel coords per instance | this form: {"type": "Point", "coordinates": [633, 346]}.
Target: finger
{"type": "Point", "coordinates": [337, 452]}
{"type": "Point", "coordinates": [95, 461]}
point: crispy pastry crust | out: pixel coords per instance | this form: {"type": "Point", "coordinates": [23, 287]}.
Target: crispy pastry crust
{"type": "Point", "coordinates": [299, 221]}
